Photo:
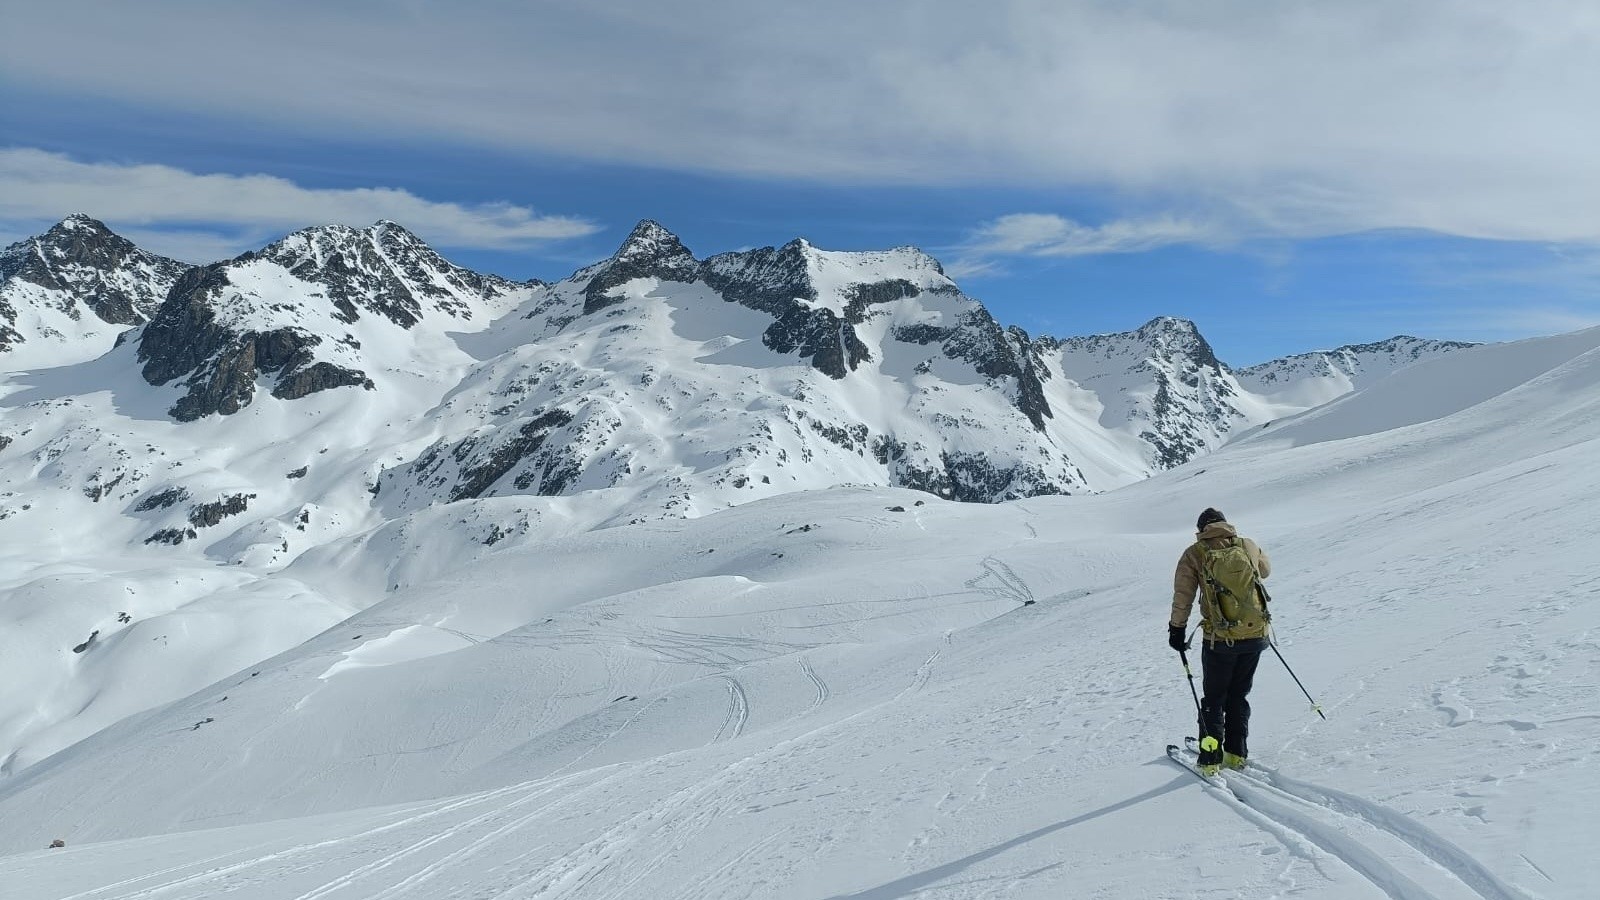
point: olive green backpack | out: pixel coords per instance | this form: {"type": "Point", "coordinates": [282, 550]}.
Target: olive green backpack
{"type": "Point", "coordinates": [1233, 601]}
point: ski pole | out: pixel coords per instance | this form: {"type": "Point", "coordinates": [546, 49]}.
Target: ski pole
{"type": "Point", "coordinates": [1189, 672]}
{"type": "Point", "coordinates": [1318, 709]}
{"type": "Point", "coordinates": [1208, 742]}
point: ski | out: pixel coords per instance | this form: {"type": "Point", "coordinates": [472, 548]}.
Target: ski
{"type": "Point", "coordinates": [1175, 753]}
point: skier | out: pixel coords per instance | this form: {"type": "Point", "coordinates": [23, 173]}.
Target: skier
{"type": "Point", "coordinates": [1224, 569]}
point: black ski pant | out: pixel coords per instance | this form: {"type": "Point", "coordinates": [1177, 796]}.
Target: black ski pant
{"type": "Point", "coordinates": [1230, 670]}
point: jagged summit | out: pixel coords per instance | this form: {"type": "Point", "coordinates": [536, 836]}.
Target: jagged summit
{"type": "Point", "coordinates": [650, 251]}
{"type": "Point", "coordinates": [382, 268]}
{"type": "Point", "coordinates": [303, 311]}
{"type": "Point", "coordinates": [651, 240]}
{"type": "Point", "coordinates": [80, 238]}
{"type": "Point", "coordinates": [79, 222]}
{"type": "Point", "coordinates": [74, 286]}
{"type": "Point", "coordinates": [333, 238]}
{"type": "Point", "coordinates": [1169, 325]}
{"type": "Point", "coordinates": [1171, 334]}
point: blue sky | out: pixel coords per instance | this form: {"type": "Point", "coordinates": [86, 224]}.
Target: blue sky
{"type": "Point", "coordinates": [1291, 176]}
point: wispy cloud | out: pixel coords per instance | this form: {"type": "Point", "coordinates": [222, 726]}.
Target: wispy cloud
{"type": "Point", "coordinates": [1047, 235]}
{"type": "Point", "coordinates": [1468, 118]}
{"type": "Point", "coordinates": [187, 213]}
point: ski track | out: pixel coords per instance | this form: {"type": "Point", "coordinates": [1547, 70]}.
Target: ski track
{"type": "Point", "coordinates": [817, 682]}
{"type": "Point", "coordinates": [1344, 847]}
{"type": "Point", "coordinates": [1419, 837]}
{"type": "Point", "coordinates": [479, 844]}
{"type": "Point", "coordinates": [1010, 586]}
{"type": "Point", "coordinates": [608, 738]}
{"type": "Point", "coordinates": [1289, 804]}
{"type": "Point", "coordinates": [738, 711]}
{"type": "Point", "coordinates": [225, 872]}
{"type": "Point", "coordinates": [666, 827]}
{"type": "Point", "coordinates": [676, 818]}
{"type": "Point", "coordinates": [704, 885]}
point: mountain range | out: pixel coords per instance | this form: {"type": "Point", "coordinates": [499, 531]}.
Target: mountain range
{"type": "Point", "coordinates": [691, 384]}
{"type": "Point", "coordinates": [346, 402]}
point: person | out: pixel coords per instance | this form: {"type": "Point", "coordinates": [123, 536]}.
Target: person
{"type": "Point", "coordinates": [1230, 648]}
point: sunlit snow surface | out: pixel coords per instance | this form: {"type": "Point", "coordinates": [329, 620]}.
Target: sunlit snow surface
{"type": "Point", "coordinates": [841, 694]}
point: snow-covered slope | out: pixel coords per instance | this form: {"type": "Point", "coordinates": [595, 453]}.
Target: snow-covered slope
{"type": "Point", "coordinates": [842, 694]}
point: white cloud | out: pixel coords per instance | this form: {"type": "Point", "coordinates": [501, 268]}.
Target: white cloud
{"type": "Point", "coordinates": [163, 205]}
{"type": "Point", "coordinates": [1296, 118]}
{"type": "Point", "coordinates": [1045, 235]}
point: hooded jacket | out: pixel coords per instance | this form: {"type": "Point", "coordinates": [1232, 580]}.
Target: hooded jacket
{"type": "Point", "coordinates": [1186, 580]}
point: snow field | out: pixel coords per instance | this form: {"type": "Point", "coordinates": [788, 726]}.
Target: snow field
{"type": "Point", "coordinates": [865, 709]}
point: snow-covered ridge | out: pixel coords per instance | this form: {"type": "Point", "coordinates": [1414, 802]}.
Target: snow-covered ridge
{"type": "Point", "coordinates": [1310, 379]}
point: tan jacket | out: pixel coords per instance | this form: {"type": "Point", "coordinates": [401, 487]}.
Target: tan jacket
{"type": "Point", "coordinates": [1186, 580]}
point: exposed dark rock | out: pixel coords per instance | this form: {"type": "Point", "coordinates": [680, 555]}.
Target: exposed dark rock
{"type": "Point", "coordinates": [995, 352]}
{"type": "Point", "coordinates": [651, 251]}
{"type": "Point", "coordinates": [771, 280]}
{"type": "Point", "coordinates": [162, 499]}
{"type": "Point", "coordinates": [383, 269]}
{"type": "Point", "coordinates": [208, 514]}
{"type": "Point", "coordinates": [972, 478]}
{"type": "Point", "coordinates": [848, 437]}
{"type": "Point", "coordinates": [551, 478]}
{"type": "Point", "coordinates": [776, 281]}
{"type": "Point", "coordinates": [298, 473]}
{"type": "Point", "coordinates": [98, 487]}
{"type": "Point", "coordinates": [173, 536]}
{"type": "Point", "coordinates": [319, 376]}
{"type": "Point", "coordinates": [96, 269]}
{"type": "Point", "coordinates": [185, 339]}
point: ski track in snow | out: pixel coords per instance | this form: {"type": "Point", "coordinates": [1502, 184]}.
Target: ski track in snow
{"type": "Point", "coordinates": [1000, 581]}
{"type": "Point", "coordinates": [674, 820]}
{"type": "Point", "coordinates": [738, 711]}
{"type": "Point", "coordinates": [1424, 840]}
{"type": "Point", "coordinates": [1303, 815]}
{"type": "Point", "coordinates": [817, 682]}
{"type": "Point", "coordinates": [225, 874]}
{"type": "Point", "coordinates": [666, 826]}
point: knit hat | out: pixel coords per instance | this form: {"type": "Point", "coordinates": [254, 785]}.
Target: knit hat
{"type": "Point", "coordinates": [1208, 517]}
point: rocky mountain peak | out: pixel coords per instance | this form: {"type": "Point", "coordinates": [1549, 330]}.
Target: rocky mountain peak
{"type": "Point", "coordinates": [78, 224]}
{"type": "Point", "coordinates": [383, 269]}
{"type": "Point", "coordinates": [78, 266]}
{"type": "Point", "coordinates": [650, 241]}
{"type": "Point", "coordinates": [1172, 336]}
{"type": "Point", "coordinates": [651, 251]}
{"type": "Point", "coordinates": [81, 240]}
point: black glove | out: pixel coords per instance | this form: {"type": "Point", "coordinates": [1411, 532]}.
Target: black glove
{"type": "Point", "coordinates": [1175, 638]}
